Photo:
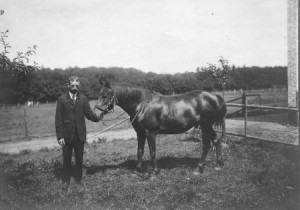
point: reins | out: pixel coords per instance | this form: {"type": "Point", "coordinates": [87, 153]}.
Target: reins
{"type": "Point", "coordinates": [114, 118]}
{"type": "Point", "coordinates": [110, 127]}
{"type": "Point", "coordinates": [118, 123]}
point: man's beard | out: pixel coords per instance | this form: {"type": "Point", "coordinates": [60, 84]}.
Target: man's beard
{"type": "Point", "coordinates": [73, 91]}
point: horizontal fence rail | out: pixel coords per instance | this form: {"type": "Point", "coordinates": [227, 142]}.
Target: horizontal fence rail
{"type": "Point", "coordinates": [244, 109]}
{"type": "Point", "coordinates": [294, 109]}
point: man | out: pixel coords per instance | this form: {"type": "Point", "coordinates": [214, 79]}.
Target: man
{"type": "Point", "coordinates": [70, 127]}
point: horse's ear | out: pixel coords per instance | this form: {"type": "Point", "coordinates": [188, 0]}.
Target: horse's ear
{"type": "Point", "coordinates": [108, 84]}
{"type": "Point", "coordinates": [104, 82]}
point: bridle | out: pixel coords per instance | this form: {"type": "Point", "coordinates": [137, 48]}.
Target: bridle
{"type": "Point", "coordinates": [113, 101]}
{"type": "Point", "coordinates": [106, 109]}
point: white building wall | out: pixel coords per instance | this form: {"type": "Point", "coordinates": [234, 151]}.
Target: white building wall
{"type": "Point", "coordinates": [292, 52]}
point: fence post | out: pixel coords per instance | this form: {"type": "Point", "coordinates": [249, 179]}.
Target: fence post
{"type": "Point", "coordinates": [244, 102]}
{"type": "Point", "coordinates": [298, 114]}
{"type": "Point", "coordinates": [25, 123]}
{"type": "Point", "coordinates": [259, 97]}
{"type": "Point", "coordinates": [274, 99]}
{"type": "Point", "coordinates": [3, 106]}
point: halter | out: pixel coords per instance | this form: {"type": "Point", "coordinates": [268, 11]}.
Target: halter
{"type": "Point", "coordinates": [113, 101]}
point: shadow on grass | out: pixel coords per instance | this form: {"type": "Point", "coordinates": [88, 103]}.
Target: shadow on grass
{"type": "Point", "coordinates": [287, 155]}
{"type": "Point", "coordinates": [191, 139]}
{"type": "Point", "coordinates": [163, 163]}
{"type": "Point", "coordinates": [16, 174]}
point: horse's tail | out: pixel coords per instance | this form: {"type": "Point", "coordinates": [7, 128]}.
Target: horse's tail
{"type": "Point", "coordinates": [221, 114]}
{"type": "Point", "coordinates": [220, 119]}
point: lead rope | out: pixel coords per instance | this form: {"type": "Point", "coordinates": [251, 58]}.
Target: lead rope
{"type": "Point", "coordinates": [114, 118]}
{"type": "Point", "coordinates": [109, 127]}
{"type": "Point", "coordinates": [118, 123]}
{"type": "Point", "coordinates": [135, 116]}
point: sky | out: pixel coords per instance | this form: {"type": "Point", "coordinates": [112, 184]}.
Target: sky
{"type": "Point", "coordinates": [161, 36]}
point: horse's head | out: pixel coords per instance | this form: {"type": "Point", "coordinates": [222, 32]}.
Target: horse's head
{"type": "Point", "coordinates": [106, 100]}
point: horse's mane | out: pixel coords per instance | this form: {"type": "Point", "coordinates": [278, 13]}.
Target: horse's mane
{"type": "Point", "coordinates": [125, 91]}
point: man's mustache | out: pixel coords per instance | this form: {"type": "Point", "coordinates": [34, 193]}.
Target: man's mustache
{"type": "Point", "coordinates": [73, 91]}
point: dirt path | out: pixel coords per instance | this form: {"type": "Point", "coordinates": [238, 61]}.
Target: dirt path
{"type": "Point", "coordinates": [272, 131]}
{"type": "Point", "coordinates": [51, 142]}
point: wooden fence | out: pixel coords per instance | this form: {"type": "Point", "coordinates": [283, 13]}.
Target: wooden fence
{"type": "Point", "coordinates": [245, 106]}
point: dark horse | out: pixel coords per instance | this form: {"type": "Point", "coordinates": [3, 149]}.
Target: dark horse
{"type": "Point", "coordinates": [152, 113]}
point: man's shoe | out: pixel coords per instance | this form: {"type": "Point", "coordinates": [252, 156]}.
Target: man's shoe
{"type": "Point", "coordinates": [78, 181]}
{"type": "Point", "coordinates": [80, 185]}
{"type": "Point", "coordinates": [65, 187]}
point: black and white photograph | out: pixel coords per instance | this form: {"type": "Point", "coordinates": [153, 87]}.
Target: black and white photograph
{"type": "Point", "coordinates": [149, 104]}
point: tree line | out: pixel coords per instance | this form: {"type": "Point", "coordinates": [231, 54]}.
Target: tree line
{"type": "Point", "coordinates": [47, 84]}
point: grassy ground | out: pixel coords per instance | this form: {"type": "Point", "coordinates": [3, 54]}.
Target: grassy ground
{"type": "Point", "coordinates": [257, 175]}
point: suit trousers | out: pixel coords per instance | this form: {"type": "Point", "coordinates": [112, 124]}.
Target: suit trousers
{"type": "Point", "coordinates": [78, 147]}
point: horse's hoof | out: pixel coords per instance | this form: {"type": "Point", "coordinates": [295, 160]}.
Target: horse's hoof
{"type": "Point", "coordinates": [134, 174]}
{"type": "Point", "coordinates": [220, 163]}
{"type": "Point", "coordinates": [196, 173]}
{"type": "Point", "coordinates": [137, 173]}
{"type": "Point", "coordinates": [138, 170]}
{"type": "Point", "coordinates": [152, 177]}
{"type": "Point", "coordinates": [224, 145]}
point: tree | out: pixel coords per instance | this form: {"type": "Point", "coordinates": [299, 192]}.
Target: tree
{"type": "Point", "coordinates": [15, 72]}
{"type": "Point", "coordinates": [220, 74]}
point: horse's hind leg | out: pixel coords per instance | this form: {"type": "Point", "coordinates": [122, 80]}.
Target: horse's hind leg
{"type": "Point", "coordinates": [141, 137]}
{"type": "Point", "coordinates": [217, 144]}
{"type": "Point", "coordinates": [152, 147]}
{"type": "Point", "coordinates": [206, 136]}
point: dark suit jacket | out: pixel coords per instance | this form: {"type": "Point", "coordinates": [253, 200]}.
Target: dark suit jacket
{"type": "Point", "coordinates": [69, 114]}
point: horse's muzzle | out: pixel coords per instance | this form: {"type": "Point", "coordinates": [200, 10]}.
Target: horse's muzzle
{"type": "Point", "coordinates": [101, 108]}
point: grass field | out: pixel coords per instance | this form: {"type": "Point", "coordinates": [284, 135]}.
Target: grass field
{"type": "Point", "coordinates": [256, 175]}
{"type": "Point", "coordinates": [40, 120]}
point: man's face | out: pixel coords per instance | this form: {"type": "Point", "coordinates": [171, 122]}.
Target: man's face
{"type": "Point", "coordinates": [73, 86]}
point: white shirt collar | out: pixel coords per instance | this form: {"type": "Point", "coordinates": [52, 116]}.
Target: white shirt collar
{"type": "Point", "coordinates": [71, 95]}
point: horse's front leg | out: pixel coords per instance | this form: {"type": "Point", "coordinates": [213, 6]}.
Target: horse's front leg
{"type": "Point", "coordinates": [152, 148]}
{"type": "Point", "coordinates": [141, 137]}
